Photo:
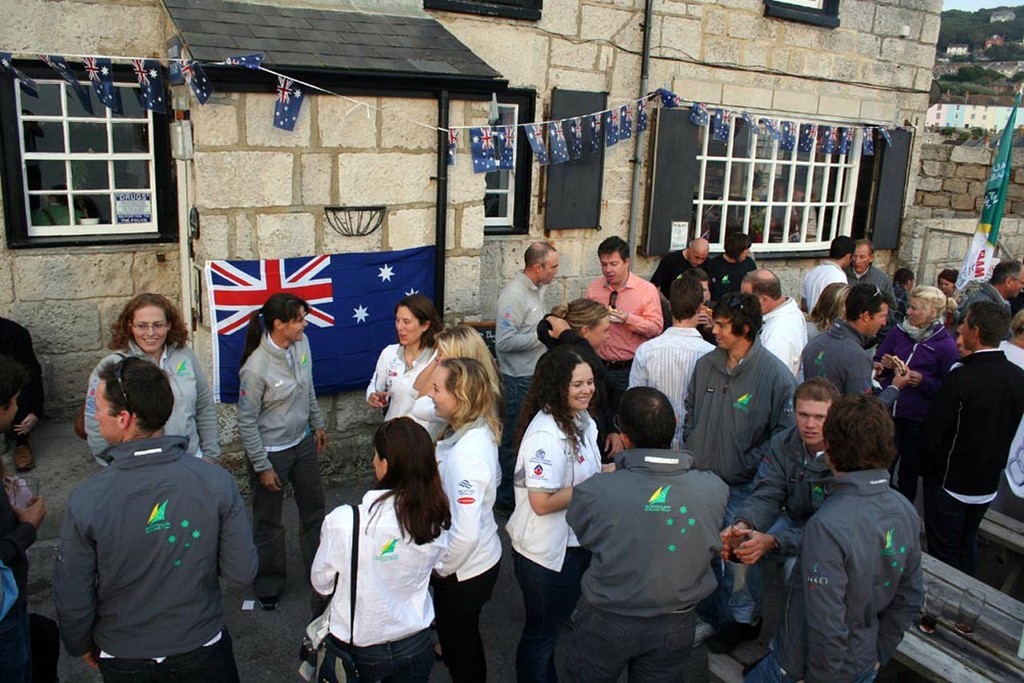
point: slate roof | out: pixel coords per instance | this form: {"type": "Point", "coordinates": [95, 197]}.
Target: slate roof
{"type": "Point", "coordinates": [329, 39]}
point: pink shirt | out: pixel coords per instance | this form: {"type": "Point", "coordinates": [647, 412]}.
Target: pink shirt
{"type": "Point", "coordinates": [640, 300]}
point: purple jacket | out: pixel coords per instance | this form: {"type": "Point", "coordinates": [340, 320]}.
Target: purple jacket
{"type": "Point", "coordinates": [932, 357]}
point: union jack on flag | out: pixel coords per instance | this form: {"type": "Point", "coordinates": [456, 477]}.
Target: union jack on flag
{"type": "Point", "coordinates": [100, 72]}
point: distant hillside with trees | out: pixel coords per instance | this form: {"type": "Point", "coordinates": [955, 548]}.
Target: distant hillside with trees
{"type": "Point", "coordinates": [973, 28]}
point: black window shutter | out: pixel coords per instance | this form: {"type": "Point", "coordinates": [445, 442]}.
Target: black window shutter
{"type": "Point", "coordinates": [674, 174]}
{"type": "Point", "coordinates": [892, 185]}
{"type": "Point", "coordinates": [574, 188]}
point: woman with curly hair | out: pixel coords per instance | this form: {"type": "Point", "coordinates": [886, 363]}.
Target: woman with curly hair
{"type": "Point", "coordinates": [151, 328]}
{"type": "Point", "coordinates": [463, 396]}
{"type": "Point", "coordinates": [557, 450]}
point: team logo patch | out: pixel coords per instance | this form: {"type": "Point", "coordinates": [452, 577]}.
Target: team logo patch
{"type": "Point", "coordinates": [743, 403]}
{"type": "Point", "coordinates": [387, 551]}
{"type": "Point", "coordinates": [538, 470]}
{"type": "Point", "coordinates": [466, 500]}
{"type": "Point", "coordinates": [158, 519]}
{"type": "Point", "coordinates": [658, 502]}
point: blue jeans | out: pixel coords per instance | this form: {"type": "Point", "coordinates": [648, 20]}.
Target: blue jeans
{"type": "Point", "coordinates": [549, 598]}
{"type": "Point", "coordinates": [725, 605]}
{"type": "Point", "coordinates": [213, 664]}
{"type": "Point", "coordinates": [515, 389]}
{"type": "Point", "coordinates": [408, 660]}
{"type": "Point", "coordinates": [15, 646]}
{"type": "Point", "coordinates": [769, 671]}
{"type": "Point", "coordinates": [952, 528]}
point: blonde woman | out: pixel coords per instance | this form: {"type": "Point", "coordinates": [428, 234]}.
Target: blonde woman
{"type": "Point", "coordinates": [460, 341]}
{"type": "Point", "coordinates": [463, 396]}
{"type": "Point", "coordinates": [831, 306]}
{"type": "Point", "coordinates": [922, 346]}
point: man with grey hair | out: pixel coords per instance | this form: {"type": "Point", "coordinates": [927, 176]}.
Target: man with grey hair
{"type": "Point", "coordinates": [862, 270]}
{"type": "Point", "coordinates": [785, 332]}
{"type": "Point", "coordinates": [520, 308]}
{"type": "Point", "coordinates": [1001, 288]}
{"type": "Point", "coordinates": [673, 265]}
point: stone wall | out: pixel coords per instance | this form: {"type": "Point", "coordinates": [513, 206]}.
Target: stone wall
{"type": "Point", "coordinates": [948, 199]}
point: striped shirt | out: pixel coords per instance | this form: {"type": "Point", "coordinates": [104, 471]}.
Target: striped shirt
{"type": "Point", "coordinates": [666, 364]}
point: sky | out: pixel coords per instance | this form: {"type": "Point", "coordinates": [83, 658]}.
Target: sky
{"type": "Point", "coordinates": [972, 5]}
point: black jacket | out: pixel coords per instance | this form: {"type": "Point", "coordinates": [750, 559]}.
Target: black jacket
{"type": "Point", "coordinates": [16, 342]}
{"type": "Point", "coordinates": [966, 435]}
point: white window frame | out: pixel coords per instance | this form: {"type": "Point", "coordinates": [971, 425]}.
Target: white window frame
{"type": "Point", "coordinates": [113, 229]}
{"type": "Point", "coordinates": [507, 220]}
{"type": "Point", "coordinates": [840, 195]}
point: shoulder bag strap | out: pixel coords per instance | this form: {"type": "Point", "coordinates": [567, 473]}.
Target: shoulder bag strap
{"type": "Point", "coordinates": [353, 575]}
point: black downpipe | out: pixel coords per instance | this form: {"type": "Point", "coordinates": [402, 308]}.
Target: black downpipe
{"type": "Point", "coordinates": [441, 217]}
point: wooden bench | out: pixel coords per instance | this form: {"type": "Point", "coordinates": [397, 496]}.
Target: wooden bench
{"type": "Point", "coordinates": [1008, 533]}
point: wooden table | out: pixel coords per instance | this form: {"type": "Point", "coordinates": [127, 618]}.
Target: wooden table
{"type": "Point", "coordinates": [1008, 533]}
{"type": "Point", "coordinates": [988, 654]}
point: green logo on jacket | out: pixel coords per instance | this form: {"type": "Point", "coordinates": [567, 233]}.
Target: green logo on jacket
{"type": "Point", "coordinates": [158, 519]}
{"type": "Point", "coordinates": [657, 501]}
{"type": "Point", "coordinates": [743, 403]}
{"type": "Point", "coordinates": [181, 369]}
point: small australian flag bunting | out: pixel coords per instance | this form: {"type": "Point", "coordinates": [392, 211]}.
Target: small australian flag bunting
{"type": "Point", "coordinates": [200, 84]}
{"type": "Point", "coordinates": [453, 145]}
{"type": "Point", "coordinates": [699, 114]}
{"type": "Point", "coordinates": [625, 121]}
{"type": "Point", "coordinates": [576, 138]}
{"type": "Point", "coordinates": [481, 148]}
{"type": "Point", "coordinates": [808, 137]}
{"type": "Point", "coordinates": [827, 135]}
{"type": "Point", "coordinates": [787, 136]}
{"type": "Point", "coordinates": [845, 138]}
{"type": "Point", "coordinates": [248, 61]}
{"type": "Point", "coordinates": [720, 125]}
{"type": "Point", "coordinates": [669, 98]}
{"type": "Point", "coordinates": [535, 136]}
{"type": "Point", "coordinates": [868, 146]}
{"type": "Point", "coordinates": [772, 128]}
{"type": "Point", "coordinates": [556, 141]}
{"type": "Point", "coordinates": [595, 132]}
{"type": "Point", "coordinates": [611, 127]}
{"type": "Point", "coordinates": [101, 75]}
{"type": "Point", "coordinates": [27, 84]}
{"type": "Point", "coordinates": [750, 121]}
{"type": "Point", "coordinates": [288, 105]}
{"type": "Point", "coordinates": [885, 135]}
{"type": "Point", "coordinates": [641, 116]}
{"type": "Point", "coordinates": [507, 149]}
{"type": "Point", "coordinates": [151, 87]}
{"type": "Point", "coordinates": [60, 65]}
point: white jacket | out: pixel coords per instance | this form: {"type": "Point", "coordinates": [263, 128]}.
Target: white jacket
{"type": "Point", "coordinates": [392, 376]}
{"type": "Point", "coordinates": [468, 461]}
{"type": "Point", "coordinates": [548, 462]}
{"type": "Point", "coordinates": [391, 586]}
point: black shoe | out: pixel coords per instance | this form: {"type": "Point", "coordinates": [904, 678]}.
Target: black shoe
{"type": "Point", "coordinates": [732, 635]}
{"type": "Point", "coordinates": [268, 604]}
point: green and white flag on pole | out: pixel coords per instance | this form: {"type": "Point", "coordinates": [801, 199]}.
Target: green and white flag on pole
{"type": "Point", "coordinates": [980, 258]}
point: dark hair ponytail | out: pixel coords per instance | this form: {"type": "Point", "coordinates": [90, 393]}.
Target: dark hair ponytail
{"type": "Point", "coordinates": [280, 306]}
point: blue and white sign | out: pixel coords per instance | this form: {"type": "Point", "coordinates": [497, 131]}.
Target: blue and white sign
{"type": "Point", "coordinates": [133, 207]}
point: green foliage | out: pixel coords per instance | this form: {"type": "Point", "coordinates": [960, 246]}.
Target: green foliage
{"type": "Point", "coordinates": [973, 27]}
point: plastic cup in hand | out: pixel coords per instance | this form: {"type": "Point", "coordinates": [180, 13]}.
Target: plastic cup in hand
{"type": "Point", "coordinates": [972, 604]}
{"type": "Point", "coordinates": [21, 490]}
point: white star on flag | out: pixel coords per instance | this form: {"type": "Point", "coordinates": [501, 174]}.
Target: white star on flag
{"type": "Point", "coordinates": [153, 73]}
{"type": "Point", "coordinates": [385, 273]}
{"type": "Point", "coordinates": [360, 314]}
{"type": "Point", "coordinates": [412, 291]}
{"type": "Point", "coordinates": [104, 71]}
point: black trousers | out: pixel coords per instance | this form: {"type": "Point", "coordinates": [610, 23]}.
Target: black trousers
{"type": "Point", "coordinates": [457, 607]}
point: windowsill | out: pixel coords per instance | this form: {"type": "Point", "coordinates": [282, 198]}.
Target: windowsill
{"type": "Point", "coordinates": [485, 9]}
{"type": "Point", "coordinates": [90, 241]}
{"type": "Point", "coordinates": [783, 10]}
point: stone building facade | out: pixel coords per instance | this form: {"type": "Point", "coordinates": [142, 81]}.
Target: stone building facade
{"type": "Point", "coordinates": [261, 192]}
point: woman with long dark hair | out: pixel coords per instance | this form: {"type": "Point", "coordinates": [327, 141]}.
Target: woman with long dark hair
{"type": "Point", "coordinates": [150, 327]}
{"type": "Point", "coordinates": [282, 431]}
{"type": "Point", "coordinates": [401, 522]}
{"type": "Point", "coordinates": [557, 443]}
{"type": "Point", "coordinates": [468, 460]}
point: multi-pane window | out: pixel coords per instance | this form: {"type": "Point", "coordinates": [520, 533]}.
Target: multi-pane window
{"type": "Point", "coordinates": [500, 195]}
{"type": "Point", "coordinates": [786, 201]}
{"type": "Point", "coordinates": [82, 173]}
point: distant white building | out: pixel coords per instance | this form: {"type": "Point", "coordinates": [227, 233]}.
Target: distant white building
{"type": "Point", "coordinates": [999, 16]}
{"type": "Point", "coordinates": [958, 49]}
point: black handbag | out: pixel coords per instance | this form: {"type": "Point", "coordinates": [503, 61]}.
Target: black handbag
{"type": "Point", "coordinates": [330, 661]}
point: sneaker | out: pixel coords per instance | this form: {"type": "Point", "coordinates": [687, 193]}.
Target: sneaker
{"type": "Point", "coordinates": [732, 635]}
{"type": "Point", "coordinates": [23, 460]}
{"type": "Point", "coordinates": [268, 603]}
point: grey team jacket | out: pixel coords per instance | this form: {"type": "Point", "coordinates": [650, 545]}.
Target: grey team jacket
{"type": "Point", "coordinates": [653, 528]}
{"type": "Point", "coordinates": [142, 544]}
{"type": "Point", "coordinates": [857, 584]}
{"type": "Point", "coordinates": [276, 402]}
{"type": "Point", "coordinates": [838, 355]}
{"type": "Point", "coordinates": [788, 478]}
{"type": "Point", "coordinates": [732, 415]}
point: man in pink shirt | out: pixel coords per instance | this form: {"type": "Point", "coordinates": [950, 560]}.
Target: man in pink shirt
{"type": "Point", "coordinates": [635, 311]}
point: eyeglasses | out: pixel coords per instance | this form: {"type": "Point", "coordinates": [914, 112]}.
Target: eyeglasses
{"type": "Point", "coordinates": [118, 371]}
{"type": "Point", "coordinates": [877, 293]}
{"type": "Point", "coordinates": [613, 299]}
{"type": "Point", "coordinates": [145, 327]}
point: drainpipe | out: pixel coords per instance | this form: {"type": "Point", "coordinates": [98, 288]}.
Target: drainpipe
{"type": "Point", "coordinates": [441, 201]}
{"type": "Point", "coordinates": [639, 146]}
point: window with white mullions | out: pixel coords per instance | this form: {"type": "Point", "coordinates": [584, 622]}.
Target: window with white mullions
{"type": "Point", "coordinates": [786, 201]}
{"type": "Point", "coordinates": [499, 197]}
{"type": "Point", "coordinates": [82, 173]}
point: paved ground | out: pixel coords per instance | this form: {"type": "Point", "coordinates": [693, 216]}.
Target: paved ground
{"type": "Point", "coordinates": [266, 643]}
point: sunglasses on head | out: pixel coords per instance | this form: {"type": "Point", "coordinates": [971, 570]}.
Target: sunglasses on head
{"type": "Point", "coordinates": [118, 372]}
